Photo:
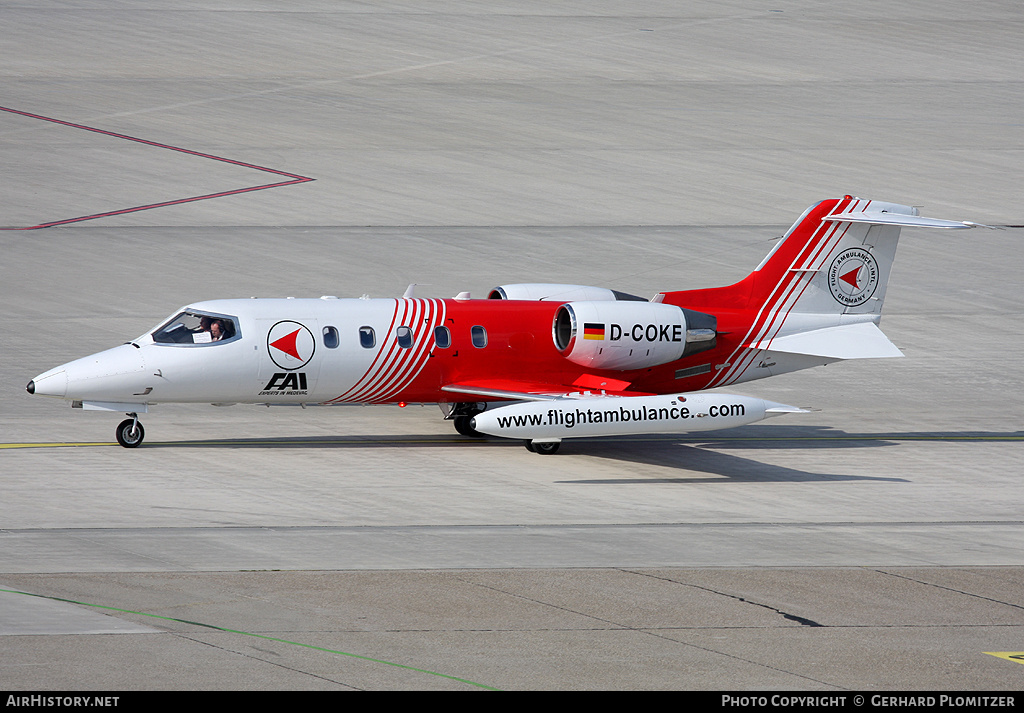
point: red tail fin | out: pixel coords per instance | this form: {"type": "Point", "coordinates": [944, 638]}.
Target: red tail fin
{"type": "Point", "coordinates": [817, 297]}
{"type": "Point", "coordinates": [801, 241]}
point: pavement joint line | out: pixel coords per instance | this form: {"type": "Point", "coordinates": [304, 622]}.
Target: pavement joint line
{"type": "Point", "coordinates": [258, 636]}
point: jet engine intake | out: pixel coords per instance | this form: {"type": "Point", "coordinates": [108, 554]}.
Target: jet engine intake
{"type": "Point", "coordinates": [630, 335]}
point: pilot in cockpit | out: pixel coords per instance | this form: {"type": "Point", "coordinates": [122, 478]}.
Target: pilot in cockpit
{"type": "Point", "coordinates": [217, 330]}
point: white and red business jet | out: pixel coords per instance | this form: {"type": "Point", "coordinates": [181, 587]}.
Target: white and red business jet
{"type": "Point", "coordinates": [538, 362]}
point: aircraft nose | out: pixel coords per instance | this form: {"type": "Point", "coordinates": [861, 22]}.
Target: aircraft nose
{"type": "Point", "coordinates": [112, 375]}
{"type": "Point", "coordinates": [50, 383]}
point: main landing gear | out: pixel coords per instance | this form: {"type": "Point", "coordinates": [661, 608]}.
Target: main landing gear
{"type": "Point", "coordinates": [130, 432]}
{"type": "Point", "coordinates": [464, 425]}
{"type": "Point", "coordinates": [462, 414]}
{"type": "Point", "coordinates": [462, 417]}
{"type": "Point", "coordinates": [545, 449]}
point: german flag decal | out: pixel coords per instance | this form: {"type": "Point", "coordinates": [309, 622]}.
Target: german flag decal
{"type": "Point", "coordinates": [592, 330]}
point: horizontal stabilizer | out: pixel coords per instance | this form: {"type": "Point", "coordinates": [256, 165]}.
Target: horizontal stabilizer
{"type": "Point", "coordinates": [908, 221]}
{"type": "Point", "coordinates": [863, 340]}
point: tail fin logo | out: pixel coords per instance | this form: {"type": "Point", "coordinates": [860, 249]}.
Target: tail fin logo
{"type": "Point", "coordinates": [853, 277]}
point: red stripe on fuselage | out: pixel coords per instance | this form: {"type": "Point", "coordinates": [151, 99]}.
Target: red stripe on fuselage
{"type": "Point", "coordinates": [395, 356]}
{"type": "Point", "coordinates": [519, 348]}
{"type": "Point", "coordinates": [412, 363]}
{"type": "Point", "coordinates": [359, 385]}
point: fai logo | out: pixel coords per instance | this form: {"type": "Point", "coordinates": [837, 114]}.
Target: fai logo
{"type": "Point", "coordinates": [853, 277]}
{"type": "Point", "coordinates": [286, 383]}
{"type": "Point", "coordinates": [290, 344]}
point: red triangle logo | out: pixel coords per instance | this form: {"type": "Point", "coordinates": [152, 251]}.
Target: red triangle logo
{"type": "Point", "coordinates": [851, 278]}
{"type": "Point", "coordinates": [287, 344]}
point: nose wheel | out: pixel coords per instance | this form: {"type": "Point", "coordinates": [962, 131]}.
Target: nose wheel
{"type": "Point", "coordinates": [130, 432]}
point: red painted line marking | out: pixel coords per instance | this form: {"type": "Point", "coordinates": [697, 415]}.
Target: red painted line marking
{"type": "Point", "coordinates": [295, 178]}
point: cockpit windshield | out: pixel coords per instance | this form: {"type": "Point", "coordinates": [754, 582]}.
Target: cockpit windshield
{"type": "Point", "coordinates": [197, 328]}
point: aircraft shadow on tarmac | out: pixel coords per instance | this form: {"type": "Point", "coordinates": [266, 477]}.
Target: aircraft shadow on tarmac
{"type": "Point", "coordinates": [704, 455]}
{"type": "Point", "coordinates": [703, 463]}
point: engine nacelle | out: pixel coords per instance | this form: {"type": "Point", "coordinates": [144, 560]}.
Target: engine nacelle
{"type": "Point", "coordinates": [630, 335]}
{"type": "Point", "coordinates": [539, 292]}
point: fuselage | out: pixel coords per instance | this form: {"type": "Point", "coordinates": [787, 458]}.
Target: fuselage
{"type": "Point", "coordinates": [341, 351]}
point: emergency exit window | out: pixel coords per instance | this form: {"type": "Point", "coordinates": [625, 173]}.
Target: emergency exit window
{"type": "Point", "coordinates": [442, 337]}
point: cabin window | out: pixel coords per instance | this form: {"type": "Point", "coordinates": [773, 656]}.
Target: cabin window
{"type": "Point", "coordinates": [442, 337]}
{"type": "Point", "coordinates": [331, 339]}
{"type": "Point", "coordinates": [197, 328]}
{"type": "Point", "coordinates": [479, 335]}
{"type": "Point", "coordinates": [404, 335]}
{"type": "Point", "coordinates": [367, 338]}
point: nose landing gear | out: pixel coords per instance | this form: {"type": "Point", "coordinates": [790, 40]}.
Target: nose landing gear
{"type": "Point", "coordinates": [130, 432]}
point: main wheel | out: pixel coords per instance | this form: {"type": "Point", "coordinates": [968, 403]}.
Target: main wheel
{"type": "Point", "coordinates": [130, 433]}
{"type": "Point", "coordinates": [463, 424]}
{"type": "Point", "coordinates": [545, 449]}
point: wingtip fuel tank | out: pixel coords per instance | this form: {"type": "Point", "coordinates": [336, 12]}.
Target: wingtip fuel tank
{"type": "Point", "coordinates": [589, 416]}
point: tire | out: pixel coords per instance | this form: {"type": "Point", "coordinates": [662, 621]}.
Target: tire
{"type": "Point", "coordinates": [463, 424]}
{"type": "Point", "coordinates": [545, 449]}
{"type": "Point", "coordinates": [126, 436]}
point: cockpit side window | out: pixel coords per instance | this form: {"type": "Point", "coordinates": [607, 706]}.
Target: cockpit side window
{"type": "Point", "coordinates": [198, 328]}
